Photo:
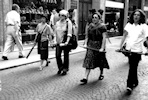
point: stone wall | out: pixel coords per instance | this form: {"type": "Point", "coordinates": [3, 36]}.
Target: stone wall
{"type": "Point", "coordinates": [5, 6]}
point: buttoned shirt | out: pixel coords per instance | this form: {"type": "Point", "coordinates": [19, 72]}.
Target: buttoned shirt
{"type": "Point", "coordinates": [136, 36]}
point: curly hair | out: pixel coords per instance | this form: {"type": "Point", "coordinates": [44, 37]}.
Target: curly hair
{"type": "Point", "coordinates": [142, 17]}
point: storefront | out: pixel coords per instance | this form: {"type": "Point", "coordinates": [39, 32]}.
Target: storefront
{"type": "Point", "coordinates": [113, 17]}
{"type": "Point", "coordinates": [30, 15]}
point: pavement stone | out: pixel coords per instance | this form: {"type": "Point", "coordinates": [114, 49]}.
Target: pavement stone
{"type": "Point", "coordinates": [27, 83]}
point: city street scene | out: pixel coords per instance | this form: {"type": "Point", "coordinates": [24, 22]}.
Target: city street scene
{"type": "Point", "coordinates": [73, 50]}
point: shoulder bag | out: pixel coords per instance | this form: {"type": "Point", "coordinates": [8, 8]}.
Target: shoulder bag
{"type": "Point", "coordinates": [38, 37]}
{"type": "Point", "coordinates": [73, 40]}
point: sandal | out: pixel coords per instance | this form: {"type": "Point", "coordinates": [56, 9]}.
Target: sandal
{"type": "Point", "coordinates": [101, 77]}
{"type": "Point", "coordinates": [84, 81]}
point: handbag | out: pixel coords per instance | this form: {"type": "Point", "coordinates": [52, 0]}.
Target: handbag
{"type": "Point", "coordinates": [38, 37]}
{"type": "Point", "coordinates": [73, 40]}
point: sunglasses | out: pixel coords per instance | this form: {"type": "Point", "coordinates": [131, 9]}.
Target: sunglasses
{"type": "Point", "coordinates": [95, 17]}
{"type": "Point", "coordinates": [62, 15]}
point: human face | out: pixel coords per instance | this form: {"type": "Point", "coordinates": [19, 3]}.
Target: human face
{"type": "Point", "coordinates": [95, 18]}
{"type": "Point", "coordinates": [62, 17]}
{"type": "Point", "coordinates": [136, 17]}
{"type": "Point", "coordinates": [18, 9]}
{"type": "Point", "coordinates": [43, 20]}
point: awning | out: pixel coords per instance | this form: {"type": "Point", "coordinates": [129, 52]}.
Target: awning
{"type": "Point", "coordinates": [113, 4]}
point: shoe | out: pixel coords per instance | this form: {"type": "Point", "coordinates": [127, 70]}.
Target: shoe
{"type": "Point", "coordinates": [40, 68]}
{"type": "Point", "coordinates": [59, 72]}
{"type": "Point", "coordinates": [4, 58]}
{"type": "Point", "coordinates": [64, 73]}
{"type": "Point", "coordinates": [129, 90]}
{"type": "Point", "coordinates": [47, 64]}
{"type": "Point", "coordinates": [101, 77]}
{"type": "Point", "coordinates": [84, 81]}
{"type": "Point", "coordinates": [21, 56]}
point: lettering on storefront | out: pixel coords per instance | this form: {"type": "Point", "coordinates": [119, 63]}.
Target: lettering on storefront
{"type": "Point", "coordinates": [74, 4]}
{"type": "Point", "coordinates": [50, 1]}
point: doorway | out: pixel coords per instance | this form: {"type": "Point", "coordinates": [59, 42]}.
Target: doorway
{"type": "Point", "coordinates": [84, 7]}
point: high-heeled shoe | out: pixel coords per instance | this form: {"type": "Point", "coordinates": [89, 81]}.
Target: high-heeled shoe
{"type": "Point", "coordinates": [84, 81]}
{"type": "Point", "coordinates": [101, 77]}
{"type": "Point", "coordinates": [47, 63]}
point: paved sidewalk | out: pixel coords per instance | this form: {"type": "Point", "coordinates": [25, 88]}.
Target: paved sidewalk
{"type": "Point", "coordinates": [34, 57]}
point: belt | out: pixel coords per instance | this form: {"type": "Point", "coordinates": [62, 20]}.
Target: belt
{"type": "Point", "coordinates": [10, 25]}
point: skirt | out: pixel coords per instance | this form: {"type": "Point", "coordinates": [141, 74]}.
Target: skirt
{"type": "Point", "coordinates": [43, 50]}
{"type": "Point", "coordinates": [94, 59]}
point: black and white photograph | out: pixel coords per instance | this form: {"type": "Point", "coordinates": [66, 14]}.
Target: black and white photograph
{"type": "Point", "coordinates": [73, 49]}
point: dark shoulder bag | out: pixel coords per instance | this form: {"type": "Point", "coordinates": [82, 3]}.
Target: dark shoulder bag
{"type": "Point", "coordinates": [73, 40]}
{"type": "Point", "coordinates": [38, 37]}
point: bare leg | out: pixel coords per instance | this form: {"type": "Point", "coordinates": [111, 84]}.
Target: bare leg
{"type": "Point", "coordinates": [84, 80]}
{"type": "Point", "coordinates": [101, 74]}
{"type": "Point", "coordinates": [41, 65]}
{"type": "Point", "coordinates": [87, 72]}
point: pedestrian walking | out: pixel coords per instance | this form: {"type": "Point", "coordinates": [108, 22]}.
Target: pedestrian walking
{"type": "Point", "coordinates": [46, 35]}
{"type": "Point", "coordinates": [13, 34]}
{"type": "Point", "coordinates": [63, 27]}
{"type": "Point", "coordinates": [135, 33]}
{"type": "Point", "coordinates": [96, 39]}
{"type": "Point", "coordinates": [54, 17]}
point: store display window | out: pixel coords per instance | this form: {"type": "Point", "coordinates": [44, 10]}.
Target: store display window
{"type": "Point", "coordinates": [30, 12]}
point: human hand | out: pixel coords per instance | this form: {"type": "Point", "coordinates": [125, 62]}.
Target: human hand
{"type": "Point", "coordinates": [101, 50]}
{"type": "Point", "coordinates": [62, 44]}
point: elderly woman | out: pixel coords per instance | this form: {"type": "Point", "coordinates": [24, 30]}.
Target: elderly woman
{"type": "Point", "coordinates": [95, 38]}
{"type": "Point", "coordinates": [46, 35]}
{"type": "Point", "coordinates": [135, 33]}
{"type": "Point", "coordinates": [63, 28]}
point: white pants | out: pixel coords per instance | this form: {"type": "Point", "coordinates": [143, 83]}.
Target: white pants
{"type": "Point", "coordinates": [12, 38]}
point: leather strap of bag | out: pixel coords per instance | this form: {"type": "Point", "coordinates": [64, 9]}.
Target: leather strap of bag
{"type": "Point", "coordinates": [43, 29]}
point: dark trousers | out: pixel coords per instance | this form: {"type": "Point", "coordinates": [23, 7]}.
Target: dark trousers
{"type": "Point", "coordinates": [133, 66]}
{"type": "Point", "coordinates": [62, 65]}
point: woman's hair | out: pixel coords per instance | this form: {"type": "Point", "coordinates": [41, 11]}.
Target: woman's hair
{"type": "Point", "coordinates": [142, 17]}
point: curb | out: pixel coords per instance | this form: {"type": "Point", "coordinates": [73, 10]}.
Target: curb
{"type": "Point", "coordinates": [78, 50]}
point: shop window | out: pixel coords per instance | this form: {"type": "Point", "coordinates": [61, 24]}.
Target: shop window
{"type": "Point", "coordinates": [30, 15]}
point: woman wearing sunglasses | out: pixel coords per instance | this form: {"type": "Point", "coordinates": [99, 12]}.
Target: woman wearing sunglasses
{"type": "Point", "coordinates": [63, 28]}
{"type": "Point", "coordinates": [96, 39]}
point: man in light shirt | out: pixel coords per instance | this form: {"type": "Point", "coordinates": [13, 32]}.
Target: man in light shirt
{"type": "Point", "coordinates": [13, 35]}
{"type": "Point", "coordinates": [54, 18]}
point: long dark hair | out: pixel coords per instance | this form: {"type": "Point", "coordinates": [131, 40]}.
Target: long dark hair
{"type": "Point", "coordinates": [142, 17]}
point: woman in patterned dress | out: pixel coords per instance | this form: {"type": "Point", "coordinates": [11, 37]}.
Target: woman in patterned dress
{"type": "Point", "coordinates": [96, 38]}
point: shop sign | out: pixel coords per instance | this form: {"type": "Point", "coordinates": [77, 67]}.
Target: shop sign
{"type": "Point", "coordinates": [50, 1]}
{"type": "Point", "coordinates": [74, 4]}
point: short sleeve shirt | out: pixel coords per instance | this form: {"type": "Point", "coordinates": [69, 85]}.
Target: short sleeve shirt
{"type": "Point", "coordinates": [12, 18]}
{"type": "Point", "coordinates": [61, 28]}
{"type": "Point", "coordinates": [136, 36]}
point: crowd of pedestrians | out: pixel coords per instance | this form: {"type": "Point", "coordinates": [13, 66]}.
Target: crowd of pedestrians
{"type": "Point", "coordinates": [63, 24]}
